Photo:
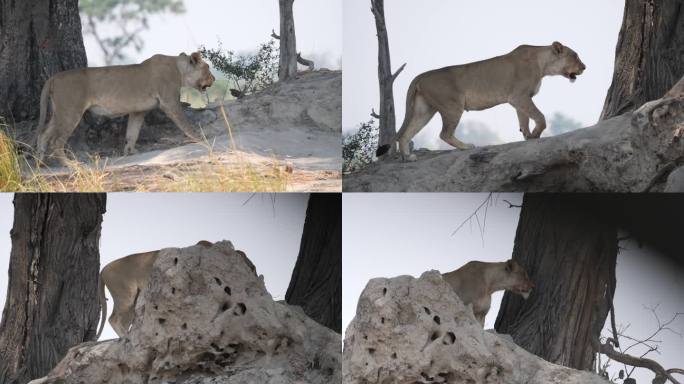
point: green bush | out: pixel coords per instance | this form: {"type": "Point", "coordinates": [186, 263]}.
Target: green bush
{"type": "Point", "coordinates": [358, 148]}
{"type": "Point", "coordinates": [246, 72]}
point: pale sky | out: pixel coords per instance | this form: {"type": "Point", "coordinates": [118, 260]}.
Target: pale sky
{"type": "Point", "coordinates": [241, 26]}
{"type": "Point", "coordinates": [440, 33]}
{"type": "Point", "coordinates": [387, 235]}
{"type": "Point", "coordinates": [269, 233]}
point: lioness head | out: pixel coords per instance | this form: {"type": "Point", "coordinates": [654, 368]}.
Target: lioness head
{"type": "Point", "coordinates": [195, 71]}
{"type": "Point", "coordinates": [565, 62]}
{"type": "Point", "coordinates": [517, 279]}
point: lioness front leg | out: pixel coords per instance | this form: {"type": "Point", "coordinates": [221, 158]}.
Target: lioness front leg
{"type": "Point", "coordinates": [524, 122]}
{"type": "Point", "coordinates": [135, 121]}
{"type": "Point", "coordinates": [526, 105]}
{"type": "Point", "coordinates": [175, 112]}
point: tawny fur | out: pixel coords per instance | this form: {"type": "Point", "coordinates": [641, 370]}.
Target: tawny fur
{"type": "Point", "coordinates": [512, 78]}
{"type": "Point", "coordinates": [113, 91]}
{"type": "Point", "coordinates": [475, 282]}
{"type": "Point", "coordinates": [126, 278]}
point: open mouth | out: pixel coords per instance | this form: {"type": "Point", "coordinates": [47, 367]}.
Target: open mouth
{"type": "Point", "coordinates": [204, 87]}
{"type": "Point", "coordinates": [525, 293]}
{"type": "Point", "coordinates": [572, 76]}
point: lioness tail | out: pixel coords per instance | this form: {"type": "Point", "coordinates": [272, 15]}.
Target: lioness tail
{"type": "Point", "coordinates": [410, 101]}
{"type": "Point", "coordinates": [103, 305]}
{"type": "Point", "coordinates": [45, 95]}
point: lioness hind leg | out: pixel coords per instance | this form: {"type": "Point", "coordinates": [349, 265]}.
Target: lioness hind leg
{"type": "Point", "coordinates": [418, 118]}
{"type": "Point", "coordinates": [135, 121]}
{"type": "Point", "coordinates": [450, 121]}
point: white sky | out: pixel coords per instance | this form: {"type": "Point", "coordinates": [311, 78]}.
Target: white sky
{"type": "Point", "coordinates": [387, 235]}
{"type": "Point", "coordinates": [439, 33]}
{"type": "Point", "coordinates": [138, 222]}
{"type": "Point", "coordinates": [241, 26]}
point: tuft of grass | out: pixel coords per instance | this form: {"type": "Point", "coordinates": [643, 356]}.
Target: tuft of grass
{"type": "Point", "coordinates": [10, 171]}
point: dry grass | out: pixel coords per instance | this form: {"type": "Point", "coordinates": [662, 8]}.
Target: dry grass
{"type": "Point", "coordinates": [10, 172]}
{"type": "Point", "coordinates": [217, 172]}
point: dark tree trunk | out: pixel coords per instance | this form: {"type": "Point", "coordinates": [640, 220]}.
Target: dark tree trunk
{"type": "Point", "coordinates": [648, 58]}
{"type": "Point", "coordinates": [569, 253]}
{"type": "Point", "coordinates": [288, 42]}
{"type": "Point", "coordinates": [52, 303]}
{"type": "Point", "coordinates": [316, 283]}
{"type": "Point", "coordinates": [387, 117]}
{"type": "Point", "coordinates": [37, 39]}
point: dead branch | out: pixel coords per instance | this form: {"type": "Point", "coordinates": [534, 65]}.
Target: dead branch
{"type": "Point", "coordinates": [303, 61]}
{"type": "Point", "coordinates": [274, 34]}
{"type": "Point", "coordinates": [375, 115]}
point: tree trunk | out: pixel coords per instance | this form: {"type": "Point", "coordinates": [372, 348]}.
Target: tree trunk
{"type": "Point", "coordinates": [569, 253]}
{"type": "Point", "coordinates": [288, 42]}
{"type": "Point", "coordinates": [52, 303]}
{"type": "Point", "coordinates": [316, 283]}
{"type": "Point", "coordinates": [37, 39]}
{"type": "Point", "coordinates": [648, 59]}
{"type": "Point", "coordinates": [387, 118]}
{"type": "Point", "coordinates": [634, 152]}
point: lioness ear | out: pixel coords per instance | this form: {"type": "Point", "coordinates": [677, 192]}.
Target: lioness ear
{"type": "Point", "coordinates": [195, 57]}
{"type": "Point", "coordinates": [509, 265]}
{"type": "Point", "coordinates": [557, 47]}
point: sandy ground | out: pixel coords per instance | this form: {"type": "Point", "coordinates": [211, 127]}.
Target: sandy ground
{"type": "Point", "coordinates": [287, 132]}
{"type": "Point", "coordinates": [312, 158]}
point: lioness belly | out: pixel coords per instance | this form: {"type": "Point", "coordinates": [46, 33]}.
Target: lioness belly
{"type": "Point", "coordinates": [117, 107]}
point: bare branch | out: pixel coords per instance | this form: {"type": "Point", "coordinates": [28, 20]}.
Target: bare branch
{"type": "Point", "coordinates": [511, 205]}
{"type": "Point", "coordinates": [474, 214]}
{"type": "Point", "coordinates": [303, 61]}
{"type": "Point", "coordinates": [374, 115]}
{"type": "Point", "coordinates": [395, 74]}
{"type": "Point", "coordinates": [633, 361]}
{"type": "Point", "coordinates": [274, 35]}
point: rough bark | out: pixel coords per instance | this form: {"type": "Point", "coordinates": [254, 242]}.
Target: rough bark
{"type": "Point", "coordinates": [648, 58]}
{"type": "Point", "coordinates": [570, 254]}
{"type": "Point", "coordinates": [52, 301]}
{"type": "Point", "coordinates": [409, 330]}
{"type": "Point", "coordinates": [387, 117]}
{"type": "Point", "coordinates": [316, 283]}
{"type": "Point", "coordinates": [288, 41]}
{"type": "Point", "coordinates": [633, 152]}
{"type": "Point", "coordinates": [37, 39]}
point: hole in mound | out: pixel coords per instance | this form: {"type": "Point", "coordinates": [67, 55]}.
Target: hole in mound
{"type": "Point", "coordinates": [218, 281]}
{"type": "Point", "coordinates": [384, 291]}
{"type": "Point", "coordinates": [436, 319]}
{"type": "Point", "coordinates": [371, 351]}
{"type": "Point", "coordinates": [227, 290]}
{"type": "Point", "coordinates": [449, 338]}
{"type": "Point", "coordinates": [394, 355]}
{"type": "Point", "coordinates": [240, 309]}
{"type": "Point", "coordinates": [161, 321]}
{"type": "Point", "coordinates": [382, 320]}
{"type": "Point", "coordinates": [434, 336]}
{"type": "Point", "coordinates": [216, 347]}
{"type": "Point", "coordinates": [173, 290]}
{"type": "Point", "coordinates": [175, 261]}
{"type": "Point", "coordinates": [184, 326]}
{"type": "Point", "coordinates": [224, 307]}
{"type": "Point", "coordinates": [427, 310]}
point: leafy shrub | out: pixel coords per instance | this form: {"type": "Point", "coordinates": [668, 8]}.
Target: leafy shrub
{"type": "Point", "coordinates": [358, 148]}
{"type": "Point", "coordinates": [247, 72]}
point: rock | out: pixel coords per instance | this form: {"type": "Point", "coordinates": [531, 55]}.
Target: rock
{"type": "Point", "coordinates": [409, 330]}
{"type": "Point", "coordinates": [622, 154]}
{"type": "Point", "coordinates": [206, 317]}
{"type": "Point", "coordinates": [312, 100]}
{"type": "Point", "coordinates": [675, 181]}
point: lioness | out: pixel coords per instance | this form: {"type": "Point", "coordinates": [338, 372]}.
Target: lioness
{"type": "Point", "coordinates": [475, 282]}
{"type": "Point", "coordinates": [120, 90]}
{"type": "Point", "coordinates": [126, 278]}
{"type": "Point", "coordinates": [513, 78]}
